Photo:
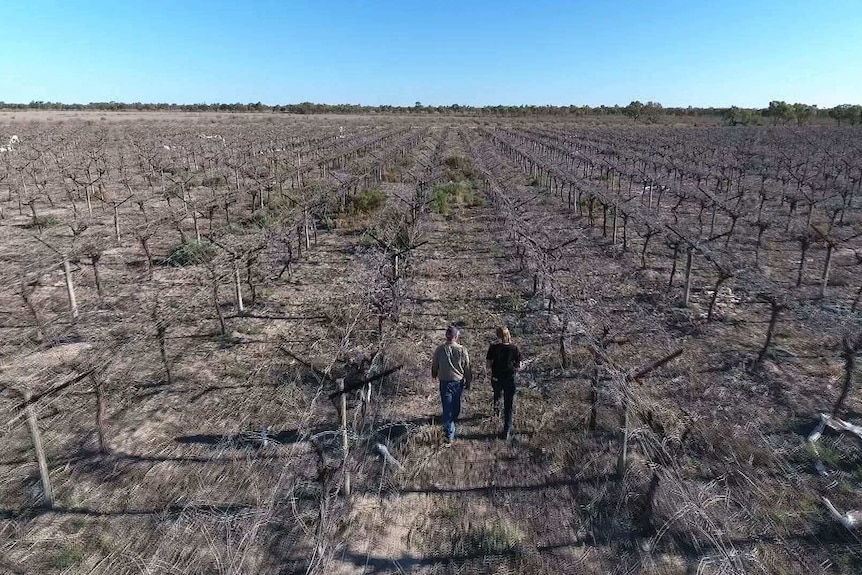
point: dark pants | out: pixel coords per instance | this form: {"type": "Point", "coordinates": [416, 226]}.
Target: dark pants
{"type": "Point", "coordinates": [450, 397]}
{"type": "Point", "coordinates": [505, 387]}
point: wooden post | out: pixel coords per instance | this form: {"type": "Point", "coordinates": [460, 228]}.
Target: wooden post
{"type": "Point", "coordinates": [237, 287]}
{"type": "Point", "coordinates": [100, 414]}
{"type": "Point", "coordinates": [345, 441]}
{"type": "Point", "coordinates": [36, 437]}
{"type": "Point", "coordinates": [686, 294]}
{"type": "Point", "coordinates": [219, 314]}
{"type": "Point", "coordinates": [775, 310]}
{"type": "Point", "coordinates": [594, 390]}
{"type": "Point", "coordinates": [850, 349]}
{"type": "Point", "coordinates": [622, 460]}
{"type": "Point", "coordinates": [26, 292]}
{"type": "Point", "coordinates": [564, 355]}
{"type": "Point", "coordinates": [145, 245]}
{"type": "Point", "coordinates": [805, 243]}
{"type": "Point", "coordinates": [299, 242]}
{"type": "Point", "coordinates": [70, 289]}
{"type": "Point", "coordinates": [604, 220]}
{"type": "Point", "coordinates": [673, 266]}
{"type": "Point", "coordinates": [161, 331]}
{"type": "Point", "coordinates": [826, 268]}
{"type": "Point", "coordinates": [94, 261]}
{"type": "Point", "coordinates": [117, 223]}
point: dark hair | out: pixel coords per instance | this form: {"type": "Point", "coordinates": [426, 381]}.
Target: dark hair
{"type": "Point", "coordinates": [452, 332]}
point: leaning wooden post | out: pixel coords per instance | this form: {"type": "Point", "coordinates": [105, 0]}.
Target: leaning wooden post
{"type": "Point", "coordinates": [622, 460]}
{"type": "Point", "coordinates": [70, 289]}
{"type": "Point", "coordinates": [830, 248]}
{"type": "Point", "coordinates": [100, 414]}
{"type": "Point", "coordinates": [776, 307]}
{"type": "Point", "coordinates": [850, 346]}
{"type": "Point", "coordinates": [305, 230]}
{"type": "Point", "coordinates": [345, 441]}
{"type": "Point", "coordinates": [237, 286]}
{"type": "Point", "coordinates": [299, 242]}
{"type": "Point", "coordinates": [47, 493]}
{"type": "Point", "coordinates": [564, 355]}
{"type": "Point", "coordinates": [117, 223]}
{"type": "Point", "coordinates": [824, 280]}
{"type": "Point", "coordinates": [161, 334]}
{"type": "Point", "coordinates": [686, 294]}
{"type": "Point", "coordinates": [594, 391]}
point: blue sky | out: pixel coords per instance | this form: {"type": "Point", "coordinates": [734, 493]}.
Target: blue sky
{"type": "Point", "coordinates": [483, 52]}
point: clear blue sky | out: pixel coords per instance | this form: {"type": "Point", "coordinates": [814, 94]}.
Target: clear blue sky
{"type": "Point", "coordinates": [483, 52]}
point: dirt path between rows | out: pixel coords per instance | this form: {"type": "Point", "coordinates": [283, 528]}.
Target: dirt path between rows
{"type": "Point", "coordinates": [477, 503]}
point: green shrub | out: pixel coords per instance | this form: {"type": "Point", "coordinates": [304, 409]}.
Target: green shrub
{"type": "Point", "coordinates": [191, 253]}
{"type": "Point", "coordinates": [365, 239]}
{"type": "Point", "coordinates": [490, 540]}
{"type": "Point", "coordinates": [460, 169]}
{"type": "Point", "coordinates": [69, 556]}
{"type": "Point", "coordinates": [366, 202]}
{"type": "Point", "coordinates": [260, 219]}
{"type": "Point", "coordinates": [214, 182]}
{"type": "Point", "coordinates": [445, 196]}
{"type": "Point", "coordinates": [42, 222]}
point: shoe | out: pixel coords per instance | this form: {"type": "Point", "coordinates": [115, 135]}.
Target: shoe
{"type": "Point", "coordinates": [447, 442]}
{"type": "Point", "coordinates": [506, 435]}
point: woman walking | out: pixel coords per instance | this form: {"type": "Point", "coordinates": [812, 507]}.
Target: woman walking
{"type": "Point", "coordinates": [504, 362]}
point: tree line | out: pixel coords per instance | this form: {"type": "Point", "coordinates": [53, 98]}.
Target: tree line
{"type": "Point", "coordinates": [777, 112]}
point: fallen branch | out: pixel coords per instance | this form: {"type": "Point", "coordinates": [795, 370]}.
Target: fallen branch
{"type": "Point", "coordinates": [358, 384]}
{"type": "Point", "coordinates": [642, 371]}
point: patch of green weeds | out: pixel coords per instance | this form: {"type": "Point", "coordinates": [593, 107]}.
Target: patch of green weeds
{"type": "Point", "coordinates": [366, 202]}
{"type": "Point", "coordinates": [457, 194]}
{"type": "Point", "coordinates": [498, 539]}
{"type": "Point", "coordinates": [69, 556]}
{"type": "Point", "coordinates": [214, 182]}
{"type": "Point", "coordinates": [42, 222]}
{"type": "Point", "coordinates": [191, 253]}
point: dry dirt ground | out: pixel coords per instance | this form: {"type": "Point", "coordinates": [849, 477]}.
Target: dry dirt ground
{"type": "Point", "coordinates": [190, 485]}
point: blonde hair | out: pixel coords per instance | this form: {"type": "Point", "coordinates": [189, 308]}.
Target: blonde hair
{"type": "Point", "coordinates": [504, 335]}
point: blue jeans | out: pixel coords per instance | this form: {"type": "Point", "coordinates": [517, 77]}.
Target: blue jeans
{"type": "Point", "coordinates": [450, 397]}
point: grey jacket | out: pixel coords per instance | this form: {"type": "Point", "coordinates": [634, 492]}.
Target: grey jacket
{"type": "Point", "coordinates": [451, 362]}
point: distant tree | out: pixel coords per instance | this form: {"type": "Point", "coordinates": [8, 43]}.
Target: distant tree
{"type": "Point", "coordinates": [803, 113]}
{"type": "Point", "coordinates": [652, 111]}
{"type": "Point", "coordinates": [850, 113]}
{"type": "Point", "coordinates": [779, 111]}
{"type": "Point", "coordinates": [736, 116]}
{"type": "Point", "coordinates": [634, 110]}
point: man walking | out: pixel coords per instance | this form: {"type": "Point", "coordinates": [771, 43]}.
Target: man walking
{"type": "Point", "coordinates": [504, 362]}
{"type": "Point", "coordinates": [451, 365]}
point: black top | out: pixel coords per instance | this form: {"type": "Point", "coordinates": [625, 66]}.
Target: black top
{"type": "Point", "coordinates": [505, 359]}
